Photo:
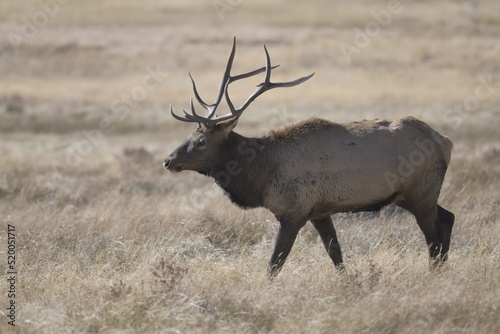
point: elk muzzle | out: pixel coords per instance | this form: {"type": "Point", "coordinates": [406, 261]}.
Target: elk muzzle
{"type": "Point", "coordinates": [170, 164]}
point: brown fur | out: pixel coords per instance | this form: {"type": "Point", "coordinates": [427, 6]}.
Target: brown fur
{"type": "Point", "coordinates": [314, 168]}
{"type": "Point", "coordinates": [295, 131]}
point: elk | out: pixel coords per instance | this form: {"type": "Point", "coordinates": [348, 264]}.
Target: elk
{"type": "Point", "coordinates": [314, 168]}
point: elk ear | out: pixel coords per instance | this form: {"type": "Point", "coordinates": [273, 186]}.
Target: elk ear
{"type": "Point", "coordinates": [228, 126]}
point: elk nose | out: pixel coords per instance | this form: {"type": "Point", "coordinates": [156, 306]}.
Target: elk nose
{"type": "Point", "coordinates": [166, 163]}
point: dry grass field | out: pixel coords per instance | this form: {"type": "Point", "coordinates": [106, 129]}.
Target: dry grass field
{"type": "Point", "coordinates": [107, 241]}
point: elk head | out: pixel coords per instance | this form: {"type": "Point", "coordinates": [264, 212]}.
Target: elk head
{"type": "Point", "coordinates": [203, 147]}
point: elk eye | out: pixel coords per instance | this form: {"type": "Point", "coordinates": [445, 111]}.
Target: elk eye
{"type": "Point", "coordinates": [201, 143]}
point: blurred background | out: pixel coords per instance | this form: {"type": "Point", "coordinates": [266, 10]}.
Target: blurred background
{"type": "Point", "coordinates": [63, 63]}
{"type": "Point", "coordinates": [85, 89]}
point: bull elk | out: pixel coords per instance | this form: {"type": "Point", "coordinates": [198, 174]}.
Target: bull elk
{"type": "Point", "coordinates": [314, 168]}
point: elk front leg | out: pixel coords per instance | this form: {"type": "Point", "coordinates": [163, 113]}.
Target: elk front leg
{"type": "Point", "coordinates": [328, 235]}
{"type": "Point", "coordinates": [286, 237]}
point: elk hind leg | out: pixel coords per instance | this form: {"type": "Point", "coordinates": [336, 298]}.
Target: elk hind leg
{"type": "Point", "coordinates": [446, 220]}
{"type": "Point", "coordinates": [430, 224]}
{"type": "Point", "coordinates": [326, 230]}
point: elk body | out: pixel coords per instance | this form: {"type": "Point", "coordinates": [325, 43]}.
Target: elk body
{"type": "Point", "coordinates": [314, 168]}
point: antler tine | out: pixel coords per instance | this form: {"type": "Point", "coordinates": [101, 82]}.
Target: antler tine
{"type": "Point", "coordinates": [251, 73]}
{"type": "Point", "coordinates": [198, 98]}
{"type": "Point", "coordinates": [225, 79]}
{"type": "Point", "coordinates": [197, 118]}
{"type": "Point", "coordinates": [262, 87]}
{"type": "Point", "coordinates": [211, 108]}
{"type": "Point", "coordinates": [182, 119]}
{"type": "Point", "coordinates": [194, 117]}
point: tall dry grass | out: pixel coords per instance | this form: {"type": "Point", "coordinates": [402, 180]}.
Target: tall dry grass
{"type": "Point", "coordinates": [121, 251]}
{"type": "Point", "coordinates": [108, 242]}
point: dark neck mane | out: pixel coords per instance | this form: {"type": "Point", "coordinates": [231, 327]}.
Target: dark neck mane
{"type": "Point", "coordinates": [242, 171]}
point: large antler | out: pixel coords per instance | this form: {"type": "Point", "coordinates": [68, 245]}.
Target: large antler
{"type": "Point", "coordinates": [210, 120]}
